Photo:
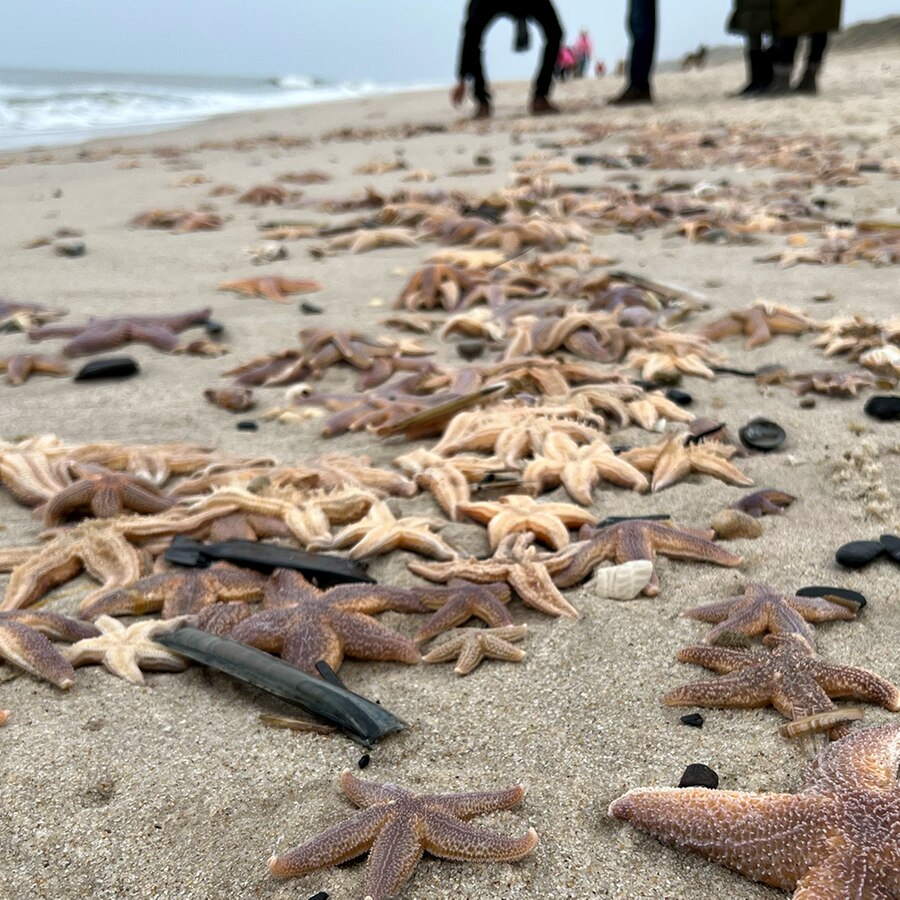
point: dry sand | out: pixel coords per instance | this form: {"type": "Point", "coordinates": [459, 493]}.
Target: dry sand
{"type": "Point", "coordinates": [175, 790]}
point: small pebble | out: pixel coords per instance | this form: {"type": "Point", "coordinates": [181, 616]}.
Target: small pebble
{"type": "Point", "coordinates": [247, 425]}
{"type": "Point", "coordinates": [762, 434]}
{"type": "Point", "coordinates": [698, 775]}
{"type": "Point", "coordinates": [823, 296]}
{"type": "Point", "coordinates": [883, 407]}
{"type": "Point", "coordinates": [482, 159]}
{"type": "Point", "coordinates": [695, 720]}
{"type": "Point", "coordinates": [892, 544]}
{"type": "Point", "coordinates": [69, 247]}
{"type": "Point", "coordinates": [364, 760]}
{"type": "Point", "coordinates": [732, 523]}
{"type": "Point", "coordinates": [808, 403]}
{"type": "Point", "coordinates": [470, 349]}
{"type": "Point", "coordinates": [857, 554]}
{"type": "Point", "coordinates": [322, 895]}
{"type": "Point", "coordinates": [310, 309]}
{"type": "Point", "coordinates": [211, 327]}
{"type": "Point", "coordinates": [682, 398]}
{"type": "Point", "coordinates": [108, 367]}
{"type": "Point", "coordinates": [844, 593]}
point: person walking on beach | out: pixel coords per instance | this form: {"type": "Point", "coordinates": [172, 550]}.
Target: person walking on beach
{"type": "Point", "coordinates": [755, 19]}
{"type": "Point", "coordinates": [794, 18]}
{"type": "Point", "coordinates": [583, 49]}
{"type": "Point", "coordinates": [480, 14]}
{"type": "Point", "coordinates": [642, 28]}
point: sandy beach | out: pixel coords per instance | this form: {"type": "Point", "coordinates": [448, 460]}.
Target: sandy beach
{"type": "Point", "coordinates": [175, 790]}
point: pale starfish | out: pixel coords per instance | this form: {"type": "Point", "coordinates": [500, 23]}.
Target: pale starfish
{"type": "Point", "coordinates": [381, 532]}
{"type": "Point", "coordinates": [640, 539]}
{"type": "Point", "coordinates": [437, 286]}
{"type": "Point", "coordinates": [761, 609]}
{"type": "Point", "coordinates": [760, 322]}
{"type": "Point", "coordinates": [24, 643]}
{"type": "Point", "coordinates": [22, 316]}
{"type": "Point", "coordinates": [790, 677]}
{"type": "Point", "coordinates": [517, 563]}
{"type": "Point", "coordinates": [365, 239]}
{"type": "Point", "coordinates": [263, 194]}
{"type": "Point", "coordinates": [22, 366]}
{"type": "Point", "coordinates": [549, 522]}
{"type": "Point", "coordinates": [469, 646]}
{"type": "Point", "coordinates": [668, 356]}
{"type": "Point", "coordinates": [124, 651]}
{"type": "Point", "coordinates": [271, 287]}
{"type": "Point", "coordinates": [832, 840]}
{"type": "Point", "coordinates": [580, 468]}
{"type": "Point", "coordinates": [461, 601]}
{"type": "Point", "coordinates": [396, 826]}
{"type": "Point", "coordinates": [179, 592]}
{"type": "Point", "coordinates": [672, 459]}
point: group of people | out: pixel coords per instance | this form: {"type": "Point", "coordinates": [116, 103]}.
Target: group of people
{"type": "Point", "coordinates": [772, 30]}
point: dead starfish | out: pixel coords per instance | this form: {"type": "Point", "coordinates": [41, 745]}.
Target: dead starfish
{"type": "Point", "coordinates": [761, 609]}
{"type": "Point", "coordinates": [22, 316]}
{"type": "Point", "coordinates": [366, 239]}
{"type": "Point", "coordinates": [833, 384]}
{"type": "Point", "coordinates": [668, 356]}
{"type": "Point", "coordinates": [396, 826]}
{"type": "Point", "coordinates": [437, 286]}
{"type": "Point", "coordinates": [179, 221]}
{"type": "Point", "coordinates": [790, 677]}
{"type": "Point", "coordinates": [833, 837]}
{"type": "Point", "coordinates": [469, 646]}
{"type": "Point", "coordinates": [768, 502]}
{"type": "Point", "coordinates": [263, 194]}
{"type": "Point", "coordinates": [21, 367]}
{"type": "Point", "coordinates": [270, 287]}
{"type": "Point", "coordinates": [461, 601]}
{"type": "Point", "coordinates": [760, 323]}
{"type": "Point", "coordinates": [640, 539]}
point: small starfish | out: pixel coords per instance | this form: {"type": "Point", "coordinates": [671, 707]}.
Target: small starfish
{"type": "Point", "coordinates": [469, 646]}
{"type": "Point", "coordinates": [124, 651]}
{"type": "Point", "coordinates": [24, 643]}
{"type": "Point", "coordinates": [767, 502]}
{"type": "Point", "coordinates": [833, 839]}
{"type": "Point", "coordinates": [667, 357]}
{"type": "Point", "coordinates": [790, 677]}
{"type": "Point", "coordinates": [21, 367]}
{"type": "Point", "coordinates": [671, 460]}
{"type": "Point", "coordinates": [263, 194]}
{"type": "Point", "coordinates": [305, 625]}
{"type": "Point", "coordinates": [549, 522]}
{"type": "Point", "coordinates": [365, 239]}
{"type": "Point", "coordinates": [179, 592]}
{"type": "Point", "coordinates": [178, 221]}
{"type": "Point", "coordinates": [517, 563]}
{"type": "Point", "coordinates": [761, 609]}
{"type": "Point", "coordinates": [270, 287]}
{"type": "Point", "coordinates": [461, 601]}
{"type": "Point", "coordinates": [833, 384]}
{"type": "Point", "coordinates": [760, 323]}
{"type": "Point", "coordinates": [396, 826]}
{"type": "Point", "coordinates": [380, 532]}
{"type": "Point", "coordinates": [22, 316]}
{"type": "Point", "coordinates": [641, 539]}
{"type": "Point", "coordinates": [437, 286]}
{"type": "Point", "coordinates": [106, 494]}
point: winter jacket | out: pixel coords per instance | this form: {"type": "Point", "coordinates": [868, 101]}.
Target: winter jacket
{"type": "Point", "coordinates": [752, 17]}
{"type": "Point", "coordinates": [796, 17]}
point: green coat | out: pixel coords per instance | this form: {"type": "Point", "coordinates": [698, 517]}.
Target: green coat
{"type": "Point", "coordinates": [752, 17]}
{"type": "Point", "coordinates": [796, 17]}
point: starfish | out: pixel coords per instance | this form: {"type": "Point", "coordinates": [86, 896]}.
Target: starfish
{"type": "Point", "coordinates": [767, 502]}
{"type": "Point", "coordinates": [24, 643]}
{"type": "Point", "coordinates": [549, 522]}
{"type": "Point", "coordinates": [106, 494]}
{"type": "Point", "coordinates": [517, 563]}
{"type": "Point", "coordinates": [304, 625]}
{"type": "Point", "coordinates": [396, 826]}
{"type": "Point", "coordinates": [178, 221]}
{"type": "Point", "coordinates": [580, 469]}
{"type": "Point", "coordinates": [21, 367]}
{"type": "Point", "coordinates": [790, 677]}
{"type": "Point", "coordinates": [834, 838]}
{"type": "Point", "coordinates": [668, 356]}
{"type": "Point", "coordinates": [641, 539]}
{"type": "Point", "coordinates": [760, 323]}
{"type": "Point", "coordinates": [262, 194]}
{"type": "Point", "coordinates": [380, 532]}
{"type": "Point", "coordinates": [179, 592]}
{"type": "Point", "coordinates": [469, 646]}
{"type": "Point", "coordinates": [124, 651]}
{"type": "Point", "coordinates": [270, 287]}
{"type": "Point", "coordinates": [671, 460]}
{"type": "Point", "coordinates": [22, 316]}
{"type": "Point", "coordinates": [437, 286]}
{"type": "Point", "coordinates": [833, 384]}
{"type": "Point", "coordinates": [98, 335]}
{"type": "Point", "coordinates": [461, 601]}
{"type": "Point", "coordinates": [365, 239]}
{"type": "Point", "coordinates": [327, 346]}
{"type": "Point", "coordinates": [761, 609]}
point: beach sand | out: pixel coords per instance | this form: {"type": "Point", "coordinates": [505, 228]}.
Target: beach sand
{"type": "Point", "coordinates": [175, 790]}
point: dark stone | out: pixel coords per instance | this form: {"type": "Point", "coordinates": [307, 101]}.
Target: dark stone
{"type": "Point", "coordinates": [69, 247]}
{"type": "Point", "coordinates": [808, 403]}
{"type": "Point", "coordinates": [682, 398]}
{"type": "Point", "coordinates": [482, 159]}
{"type": "Point", "coordinates": [364, 760]}
{"type": "Point", "coordinates": [108, 367]}
{"type": "Point", "coordinates": [247, 425]}
{"type": "Point", "coordinates": [844, 593]}
{"type": "Point", "coordinates": [883, 407]}
{"type": "Point", "coordinates": [762, 434]}
{"type": "Point", "coordinates": [211, 327]}
{"type": "Point", "coordinates": [695, 720]}
{"type": "Point", "coordinates": [310, 309]}
{"type": "Point", "coordinates": [698, 775]}
{"type": "Point", "coordinates": [322, 895]}
{"type": "Point", "coordinates": [892, 544]}
{"type": "Point", "coordinates": [869, 167]}
{"type": "Point", "coordinates": [857, 554]}
{"type": "Point", "coordinates": [470, 349]}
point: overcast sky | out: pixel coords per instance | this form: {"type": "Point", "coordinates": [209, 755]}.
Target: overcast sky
{"type": "Point", "coordinates": [382, 40]}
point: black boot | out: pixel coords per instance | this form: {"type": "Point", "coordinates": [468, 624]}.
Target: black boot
{"type": "Point", "coordinates": [781, 81]}
{"type": "Point", "coordinates": [807, 84]}
{"type": "Point", "coordinates": [760, 66]}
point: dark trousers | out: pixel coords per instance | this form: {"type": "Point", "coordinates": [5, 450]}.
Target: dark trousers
{"type": "Point", "coordinates": [480, 15]}
{"type": "Point", "coordinates": [642, 28]}
{"type": "Point", "coordinates": [786, 49]}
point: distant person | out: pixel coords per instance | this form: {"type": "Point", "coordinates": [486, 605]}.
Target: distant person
{"type": "Point", "coordinates": [565, 63]}
{"type": "Point", "coordinates": [480, 14]}
{"type": "Point", "coordinates": [642, 28]}
{"type": "Point", "coordinates": [600, 68]}
{"type": "Point", "coordinates": [793, 19]}
{"type": "Point", "coordinates": [755, 19]}
{"type": "Point", "coordinates": [583, 49]}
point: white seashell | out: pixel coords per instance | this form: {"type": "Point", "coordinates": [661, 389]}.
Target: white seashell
{"type": "Point", "coordinates": [882, 359]}
{"type": "Point", "coordinates": [623, 582]}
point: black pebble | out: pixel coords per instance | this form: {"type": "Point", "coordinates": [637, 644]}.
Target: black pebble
{"type": "Point", "coordinates": [695, 720]}
{"type": "Point", "coordinates": [210, 326]}
{"type": "Point", "coordinates": [845, 593]}
{"type": "Point", "coordinates": [869, 167]}
{"type": "Point", "coordinates": [247, 425]}
{"type": "Point", "coordinates": [470, 349]}
{"type": "Point", "coordinates": [682, 398]}
{"type": "Point", "coordinates": [762, 434]}
{"type": "Point", "coordinates": [322, 895]}
{"type": "Point", "coordinates": [482, 159]}
{"type": "Point", "coordinates": [698, 775]}
{"type": "Point", "coordinates": [884, 407]}
{"type": "Point", "coordinates": [892, 544]}
{"type": "Point", "coordinates": [108, 367]}
{"type": "Point", "coordinates": [364, 760]}
{"type": "Point", "coordinates": [857, 554]}
{"type": "Point", "coordinates": [310, 309]}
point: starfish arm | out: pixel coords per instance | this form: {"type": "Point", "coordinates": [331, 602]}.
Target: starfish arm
{"type": "Point", "coordinates": [446, 650]}
{"type": "Point", "coordinates": [393, 858]}
{"type": "Point", "coordinates": [867, 761]}
{"type": "Point", "coordinates": [536, 589]}
{"type": "Point", "coordinates": [820, 609]}
{"type": "Point", "coordinates": [470, 655]}
{"type": "Point", "coordinates": [797, 695]}
{"type": "Point", "coordinates": [450, 838]}
{"type": "Point", "coordinates": [308, 642]}
{"type": "Point", "coordinates": [755, 619]}
{"type": "Point", "coordinates": [448, 486]}
{"type": "Point", "coordinates": [547, 527]}
{"type": "Point", "coordinates": [477, 803]}
{"type": "Point", "coordinates": [365, 638]}
{"type": "Point", "coordinates": [578, 560]}
{"type": "Point", "coordinates": [144, 596]}
{"type": "Point", "coordinates": [849, 681]}
{"type": "Point", "coordinates": [371, 599]}
{"type": "Point", "coordinates": [715, 612]}
{"type": "Point", "coordinates": [748, 689]}
{"type": "Point", "coordinates": [111, 560]}
{"type": "Point", "coordinates": [156, 658]}
{"type": "Point", "coordinates": [495, 646]}
{"type": "Point", "coordinates": [719, 659]}
{"type": "Point", "coordinates": [30, 650]}
{"type": "Point", "coordinates": [720, 468]}
{"type": "Point", "coordinates": [845, 874]}
{"type": "Point", "coordinates": [73, 497]}
{"type": "Point", "coordinates": [460, 609]}
{"type": "Point", "coordinates": [765, 837]}
{"type": "Point", "coordinates": [680, 544]}
{"type": "Point", "coordinates": [97, 338]}
{"type": "Point", "coordinates": [53, 625]}
{"type": "Point", "coordinates": [425, 543]}
{"type": "Point", "coordinates": [672, 464]}
{"type": "Point", "coordinates": [579, 478]}
{"type": "Point", "coordinates": [222, 618]}
{"type": "Point", "coordinates": [122, 662]}
{"type": "Point", "coordinates": [369, 793]}
{"type": "Point", "coordinates": [265, 630]}
{"type": "Point", "coordinates": [479, 571]}
{"type": "Point", "coordinates": [46, 568]}
{"type": "Point", "coordinates": [483, 513]}
{"type": "Point", "coordinates": [336, 845]}
{"type": "Point", "coordinates": [617, 471]}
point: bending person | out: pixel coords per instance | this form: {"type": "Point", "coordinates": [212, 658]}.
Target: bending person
{"type": "Point", "coordinates": [480, 14]}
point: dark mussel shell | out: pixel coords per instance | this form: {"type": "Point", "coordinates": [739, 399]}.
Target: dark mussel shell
{"type": "Point", "coordinates": [108, 367]}
{"type": "Point", "coordinates": [698, 775]}
{"type": "Point", "coordinates": [247, 425]}
{"type": "Point", "coordinates": [854, 597]}
{"type": "Point", "coordinates": [682, 398]}
{"type": "Point", "coordinates": [762, 434]}
{"type": "Point", "coordinates": [883, 407]}
{"type": "Point", "coordinates": [471, 349]}
{"type": "Point", "coordinates": [857, 554]}
{"type": "Point", "coordinates": [891, 543]}
{"type": "Point", "coordinates": [694, 720]}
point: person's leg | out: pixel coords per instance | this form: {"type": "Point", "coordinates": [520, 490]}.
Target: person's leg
{"type": "Point", "coordinates": [808, 83]}
{"type": "Point", "coordinates": [544, 14]}
{"type": "Point", "coordinates": [471, 65]}
{"type": "Point", "coordinates": [642, 28]}
{"type": "Point", "coordinates": [784, 52]}
{"type": "Point", "coordinates": [752, 53]}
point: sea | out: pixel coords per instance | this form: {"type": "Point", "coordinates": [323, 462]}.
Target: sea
{"type": "Point", "coordinates": [43, 107]}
